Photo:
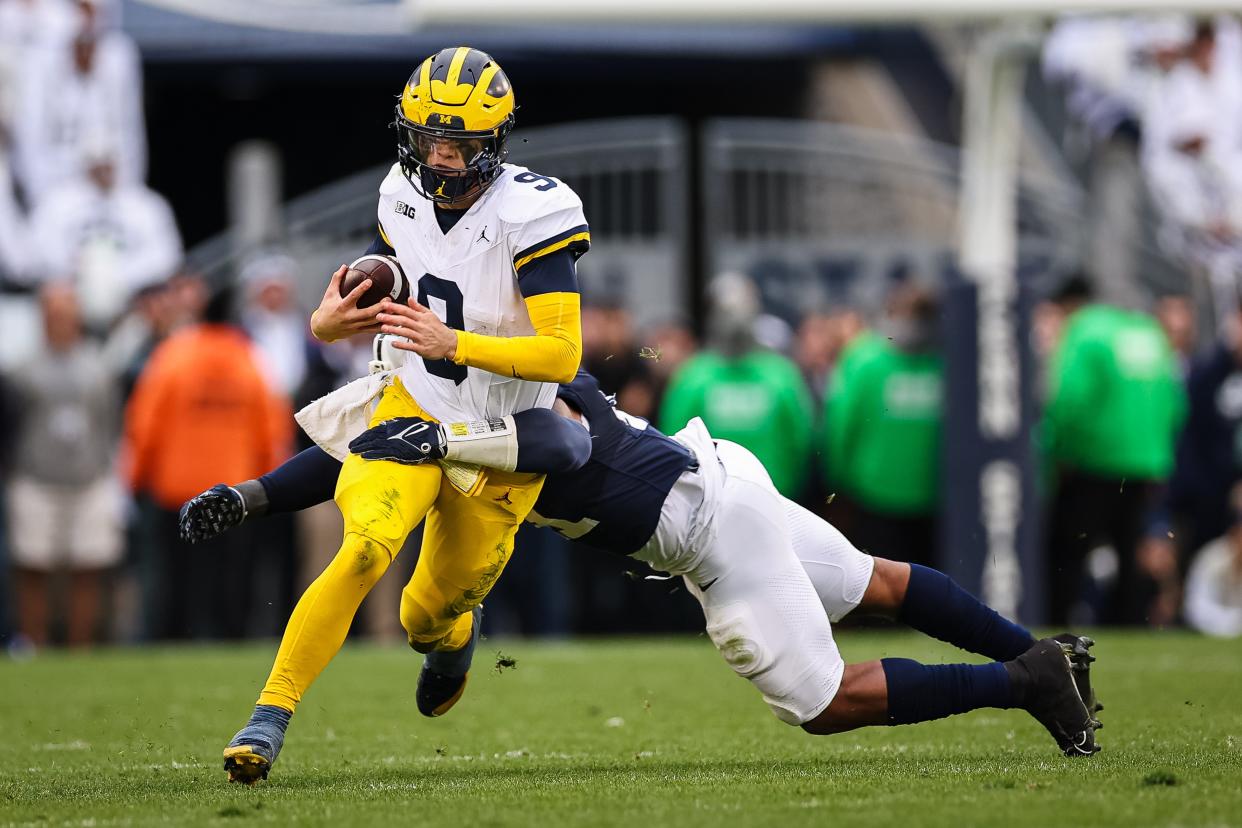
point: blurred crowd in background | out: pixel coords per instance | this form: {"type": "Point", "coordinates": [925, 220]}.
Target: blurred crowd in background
{"type": "Point", "coordinates": [139, 384]}
{"type": "Point", "coordinates": [1156, 104]}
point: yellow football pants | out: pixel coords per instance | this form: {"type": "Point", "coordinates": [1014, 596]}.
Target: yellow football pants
{"type": "Point", "coordinates": [466, 543]}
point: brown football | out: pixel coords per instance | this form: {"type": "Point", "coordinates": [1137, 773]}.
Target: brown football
{"type": "Point", "coordinates": [387, 280]}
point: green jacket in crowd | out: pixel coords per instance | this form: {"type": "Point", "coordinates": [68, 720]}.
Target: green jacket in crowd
{"type": "Point", "coordinates": [882, 421]}
{"type": "Point", "coordinates": [1116, 401]}
{"type": "Point", "coordinates": [757, 400]}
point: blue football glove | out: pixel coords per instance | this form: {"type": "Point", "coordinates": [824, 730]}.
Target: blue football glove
{"type": "Point", "coordinates": [210, 513]}
{"type": "Point", "coordinates": [219, 509]}
{"type": "Point", "coordinates": [409, 440]}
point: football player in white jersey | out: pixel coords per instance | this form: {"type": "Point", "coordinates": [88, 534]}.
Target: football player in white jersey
{"type": "Point", "coordinates": [489, 249]}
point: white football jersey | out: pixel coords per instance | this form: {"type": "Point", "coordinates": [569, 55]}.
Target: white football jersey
{"type": "Point", "coordinates": [468, 278]}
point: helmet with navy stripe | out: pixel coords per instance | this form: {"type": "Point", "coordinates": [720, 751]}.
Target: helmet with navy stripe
{"type": "Point", "coordinates": [460, 101]}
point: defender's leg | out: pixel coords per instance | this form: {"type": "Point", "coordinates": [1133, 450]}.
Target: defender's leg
{"type": "Point", "coordinates": [897, 691]}
{"type": "Point", "coordinates": [927, 600]}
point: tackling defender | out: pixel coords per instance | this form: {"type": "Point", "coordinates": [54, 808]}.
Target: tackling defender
{"type": "Point", "coordinates": [771, 576]}
{"type": "Point", "coordinates": [491, 247]}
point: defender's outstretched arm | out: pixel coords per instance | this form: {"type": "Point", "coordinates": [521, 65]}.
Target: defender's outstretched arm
{"type": "Point", "coordinates": [539, 441]}
{"type": "Point", "coordinates": [305, 480]}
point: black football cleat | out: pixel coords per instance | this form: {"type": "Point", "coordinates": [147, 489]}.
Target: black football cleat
{"type": "Point", "coordinates": [1044, 683]}
{"type": "Point", "coordinates": [1081, 659]}
{"type": "Point", "coordinates": [443, 677]}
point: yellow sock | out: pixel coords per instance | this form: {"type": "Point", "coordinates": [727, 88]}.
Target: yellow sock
{"type": "Point", "coordinates": [321, 619]}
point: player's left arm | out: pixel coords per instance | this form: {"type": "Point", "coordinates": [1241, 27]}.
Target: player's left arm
{"type": "Point", "coordinates": [549, 287]}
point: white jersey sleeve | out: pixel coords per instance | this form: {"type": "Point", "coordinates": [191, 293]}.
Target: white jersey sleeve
{"type": "Point", "coordinates": [393, 184]}
{"type": "Point", "coordinates": [542, 215]}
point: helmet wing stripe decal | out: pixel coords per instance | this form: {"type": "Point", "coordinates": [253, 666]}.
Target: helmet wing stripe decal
{"type": "Point", "coordinates": [422, 75]}
{"type": "Point", "coordinates": [457, 94]}
{"type": "Point", "coordinates": [485, 81]}
{"type": "Point", "coordinates": [417, 92]}
{"type": "Point", "coordinates": [454, 72]}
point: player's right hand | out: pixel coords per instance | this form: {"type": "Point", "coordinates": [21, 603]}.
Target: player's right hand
{"type": "Point", "coordinates": [409, 440]}
{"type": "Point", "coordinates": [211, 513]}
{"type": "Point", "coordinates": [339, 317]}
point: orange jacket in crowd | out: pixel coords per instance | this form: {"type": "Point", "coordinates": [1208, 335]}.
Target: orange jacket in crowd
{"type": "Point", "coordinates": [203, 413]}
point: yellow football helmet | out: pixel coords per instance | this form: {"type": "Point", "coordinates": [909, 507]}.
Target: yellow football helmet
{"type": "Point", "coordinates": [460, 101]}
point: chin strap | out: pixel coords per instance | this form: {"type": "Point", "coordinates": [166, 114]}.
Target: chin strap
{"type": "Point", "coordinates": [492, 443]}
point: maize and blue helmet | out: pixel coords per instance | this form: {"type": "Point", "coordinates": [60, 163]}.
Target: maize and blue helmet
{"type": "Point", "coordinates": [459, 95]}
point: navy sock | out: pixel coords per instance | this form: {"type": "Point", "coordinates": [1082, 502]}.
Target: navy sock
{"type": "Point", "coordinates": [937, 606]}
{"type": "Point", "coordinates": [302, 481]}
{"type": "Point", "coordinates": [270, 714]}
{"type": "Point", "coordinates": [923, 692]}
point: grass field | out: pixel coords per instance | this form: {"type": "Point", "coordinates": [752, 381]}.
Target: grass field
{"type": "Point", "coordinates": [652, 732]}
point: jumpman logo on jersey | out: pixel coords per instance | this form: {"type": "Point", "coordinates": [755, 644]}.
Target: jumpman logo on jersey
{"type": "Point", "coordinates": [504, 498]}
{"type": "Point", "coordinates": [440, 191]}
{"type": "Point", "coordinates": [483, 237]}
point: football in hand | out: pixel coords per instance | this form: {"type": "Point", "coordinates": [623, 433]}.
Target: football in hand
{"type": "Point", "coordinates": [387, 280]}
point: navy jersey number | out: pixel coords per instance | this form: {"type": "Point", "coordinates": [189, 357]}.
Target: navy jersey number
{"type": "Point", "coordinates": [450, 294]}
{"type": "Point", "coordinates": [530, 178]}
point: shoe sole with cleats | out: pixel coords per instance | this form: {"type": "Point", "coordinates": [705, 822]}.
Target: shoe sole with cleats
{"type": "Point", "coordinates": [245, 765]}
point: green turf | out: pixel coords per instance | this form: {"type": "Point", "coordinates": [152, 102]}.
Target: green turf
{"type": "Point", "coordinates": [636, 732]}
